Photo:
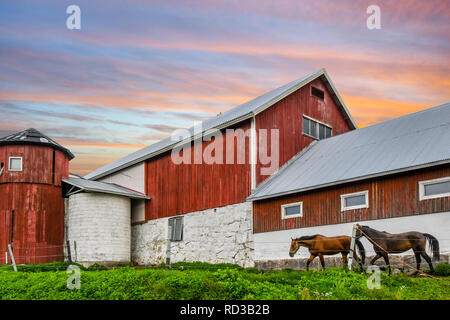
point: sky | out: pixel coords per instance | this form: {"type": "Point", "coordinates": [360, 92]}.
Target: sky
{"type": "Point", "coordinates": [138, 70]}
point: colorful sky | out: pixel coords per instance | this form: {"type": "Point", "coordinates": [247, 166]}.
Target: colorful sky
{"type": "Point", "coordinates": [137, 70]}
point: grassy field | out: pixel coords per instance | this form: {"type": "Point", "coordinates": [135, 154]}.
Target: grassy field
{"type": "Point", "coordinates": [199, 281]}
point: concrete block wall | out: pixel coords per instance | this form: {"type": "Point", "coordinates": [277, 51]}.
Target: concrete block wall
{"type": "Point", "coordinates": [219, 235]}
{"type": "Point", "coordinates": [100, 225]}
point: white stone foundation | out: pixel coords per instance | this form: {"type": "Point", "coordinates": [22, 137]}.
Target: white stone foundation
{"type": "Point", "coordinates": [220, 235]}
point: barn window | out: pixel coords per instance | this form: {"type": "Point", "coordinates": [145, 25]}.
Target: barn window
{"type": "Point", "coordinates": [436, 188]}
{"type": "Point", "coordinates": [316, 129]}
{"type": "Point", "coordinates": [15, 164]}
{"type": "Point", "coordinates": [292, 210]}
{"type": "Point", "coordinates": [177, 229]}
{"type": "Point", "coordinates": [318, 93]}
{"type": "Point", "coordinates": [355, 200]}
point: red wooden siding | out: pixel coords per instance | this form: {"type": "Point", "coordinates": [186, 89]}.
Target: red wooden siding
{"type": "Point", "coordinates": [389, 197]}
{"type": "Point", "coordinates": [36, 164]}
{"type": "Point", "coordinates": [37, 203]}
{"type": "Point", "coordinates": [286, 116]}
{"type": "Point", "coordinates": [177, 189]}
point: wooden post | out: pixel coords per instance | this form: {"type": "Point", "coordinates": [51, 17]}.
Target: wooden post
{"type": "Point", "coordinates": [6, 257]}
{"type": "Point", "coordinates": [352, 248]}
{"type": "Point", "coordinates": [69, 256]}
{"type": "Point", "coordinates": [75, 248]}
{"type": "Point", "coordinates": [12, 257]}
{"type": "Point", "coordinates": [169, 238]}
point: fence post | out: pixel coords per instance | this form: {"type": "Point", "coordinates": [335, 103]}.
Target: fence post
{"type": "Point", "coordinates": [12, 257]}
{"type": "Point", "coordinates": [6, 257]}
{"type": "Point", "coordinates": [169, 238]}
{"type": "Point", "coordinates": [352, 248]}
{"type": "Point", "coordinates": [69, 256]}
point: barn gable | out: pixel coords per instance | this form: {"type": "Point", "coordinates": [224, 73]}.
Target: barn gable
{"type": "Point", "coordinates": [236, 115]}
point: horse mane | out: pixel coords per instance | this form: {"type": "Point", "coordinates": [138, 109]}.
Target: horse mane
{"type": "Point", "coordinates": [376, 231]}
{"type": "Point", "coordinates": [307, 237]}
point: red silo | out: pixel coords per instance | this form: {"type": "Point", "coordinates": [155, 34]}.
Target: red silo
{"type": "Point", "coordinates": [31, 203]}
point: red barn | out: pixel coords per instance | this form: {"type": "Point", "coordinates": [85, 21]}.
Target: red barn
{"type": "Point", "coordinates": [31, 202]}
{"type": "Point", "coordinates": [209, 199]}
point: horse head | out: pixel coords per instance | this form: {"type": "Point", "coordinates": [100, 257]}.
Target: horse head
{"type": "Point", "coordinates": [358, 233]}
{"type": "Point", "coordinates": [296, 243]}
{"type": "Point", "coordinates": [294, 247]}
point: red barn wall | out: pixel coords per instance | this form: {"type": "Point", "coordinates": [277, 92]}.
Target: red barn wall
{"type": "Point", "coordinates": [286, 116]}
{"type": "Point", "coordinates": [389, 197]}
{"type": "Point", "coordinates": [177, 189]}
{"type": "Point", "coordinates": [37, 203]}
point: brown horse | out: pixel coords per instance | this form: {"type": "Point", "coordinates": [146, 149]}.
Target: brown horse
{"type": "Point", "coordinates": [398, 243]}
{"type": "Point", "coordinates": [319, 245]}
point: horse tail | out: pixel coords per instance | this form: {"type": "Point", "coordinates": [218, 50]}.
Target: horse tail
{"type": "Point", "coordinates": [434, 245]}
{"type": "Point", "coordinates": [362, 251]}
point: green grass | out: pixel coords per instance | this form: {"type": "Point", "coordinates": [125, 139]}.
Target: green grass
{"type": "Point", "coordinates": [199, 281]}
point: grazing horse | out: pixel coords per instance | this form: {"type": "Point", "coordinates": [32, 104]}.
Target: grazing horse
{"type": "Point", "coordinates": [398, 243]}
{"type": "Point", "coordinates": [319, 245]}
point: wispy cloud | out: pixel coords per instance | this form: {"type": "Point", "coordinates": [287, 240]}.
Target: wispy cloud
{"type": "Point", "coordinates": [137, 70]}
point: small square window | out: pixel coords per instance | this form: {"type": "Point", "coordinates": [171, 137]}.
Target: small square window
{"type": "Point", "coordinates": [436, 188]}
{"type": "Point", "coordinates": [357, 200]}
{"type": "Point", "coordinates": [15, 164]}
{"type": "Point", "coordinates": [292, 210]}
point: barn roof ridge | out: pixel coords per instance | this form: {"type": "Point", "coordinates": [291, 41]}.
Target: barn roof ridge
{"type": "Point", "coordinates": [33, 137]}
{"type": "Point", "coordinates": [406, 143]}
{"type": "Point", "coordinates": [235, 115]}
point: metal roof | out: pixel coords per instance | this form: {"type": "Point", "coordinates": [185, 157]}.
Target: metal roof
{"type": "Point", "coordinates": [33, 136]}
{"type": "Point", "coordinates": [226, 119]}
{"type": "Point", "coordinates": [414, 141]}
{"type": "Point", "coordinates": [102, 187]}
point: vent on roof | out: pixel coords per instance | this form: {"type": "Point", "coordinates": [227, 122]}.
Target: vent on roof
{"type": "Point", "coordinates": [317, 92]}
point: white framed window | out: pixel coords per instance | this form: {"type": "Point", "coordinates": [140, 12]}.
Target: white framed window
{"type": "Point", "coordinates": [292, 210]}
{"type": "Point", "coordinates": [316, 129]}
{"type": "Point", "coordinates": [177, 228]}
{"type": "Point", "coordinates": [15, 164]}
{"type": "Point", "coordinates": [436, 188]}
{"type": "Point", "coordinates": [356, 200]}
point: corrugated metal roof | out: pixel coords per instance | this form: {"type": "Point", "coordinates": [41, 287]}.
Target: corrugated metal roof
{"type": "Point", "coordinates": [410, 142]}
{"type": "Point", "coordinates": [33, 136]}
{"type": "Point", "coordinates": [237, 114]}
{"type": "Point", "coordinates": [103, 187]}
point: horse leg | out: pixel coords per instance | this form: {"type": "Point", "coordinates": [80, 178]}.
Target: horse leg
{"type": "Point", "coordinates": [311, 258]}
{"type": "Point", "coordinates": [344, 259]}
{"type": "Point", "coordinates": [418, 260]}
{"type": "Point", "coordinates": [386, 260]}
{"type": "Point", "coordinates": [356, 257]}
{"type": "Point", "coordinates": [378, 256]}
{"type": "Point", "coordinates": [428, 260]}
{"type": "Point", "coordinates": [322, 261]}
